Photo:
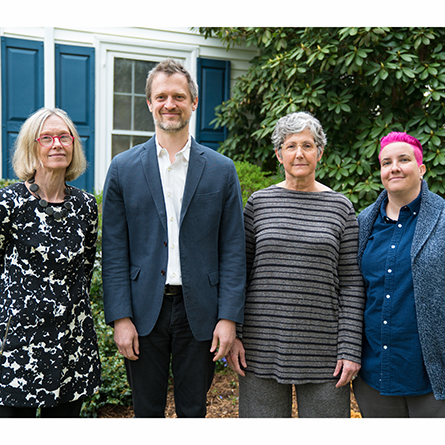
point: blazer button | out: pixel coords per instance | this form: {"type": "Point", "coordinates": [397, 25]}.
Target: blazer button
{"type": "Point", "coordinates": [163, 272]}
{"type": "Point", "coordinates": [165, 244]}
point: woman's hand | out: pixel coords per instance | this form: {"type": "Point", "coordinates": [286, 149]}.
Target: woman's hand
{"type": "Point", "coordinates": [237, 357]}
{"type": "Point", "coordinates": [349, 371]}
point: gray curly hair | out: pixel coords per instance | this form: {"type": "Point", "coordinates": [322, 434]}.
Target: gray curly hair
{"type": "Point", "coordinates": [295, 123]}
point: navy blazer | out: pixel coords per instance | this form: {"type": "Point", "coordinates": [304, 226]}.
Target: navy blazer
{"type": "Point", "coordinates": [211, 240]}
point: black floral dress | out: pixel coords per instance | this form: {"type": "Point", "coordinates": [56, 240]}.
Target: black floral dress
{"type": "Point", "coordinates": [50, 355]}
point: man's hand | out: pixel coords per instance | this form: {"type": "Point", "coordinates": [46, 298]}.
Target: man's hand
{"type": "Point", "coordinates": [224, 336]}
{"type": "Point", "coordinates": [126, 338]}
{"type": "Point", "coordinates": [349, 371]}
{"type": "Point", "coordinates": [237, 357]}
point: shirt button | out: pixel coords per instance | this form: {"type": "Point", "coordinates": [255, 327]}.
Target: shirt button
{"type": "Point", "coordinates": [385, 347]}
{"type": "Point", "coordinates": [400, 225]}
{"type": "Point", "coordinates": [393, 247]}
{"type": "Point", "coordinates": [385, 322]}
{"type": "Point", "coordinates": [389, 270]}
{"type": "Point", "coordinates": [388, 296]}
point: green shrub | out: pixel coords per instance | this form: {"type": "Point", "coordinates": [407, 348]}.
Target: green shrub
{"type": "Point", "coordinates": [252, 178]}
{"type": "Point", "coordinates": [115, 389]}
{"type": "Point", "coordinates": [6, 182]}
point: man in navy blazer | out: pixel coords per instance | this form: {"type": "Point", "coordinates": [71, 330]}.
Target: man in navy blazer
{"type": "Point", "coordinates": [173, 253]}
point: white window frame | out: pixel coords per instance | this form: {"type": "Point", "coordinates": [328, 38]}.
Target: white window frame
{"type": "Point", "coordinates": [107, 49]}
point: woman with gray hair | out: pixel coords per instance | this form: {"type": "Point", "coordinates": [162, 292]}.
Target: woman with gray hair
{"type": "Point", "coordinates": [304, 296]}
{"type": "Point", "coordinates": [49, 356]}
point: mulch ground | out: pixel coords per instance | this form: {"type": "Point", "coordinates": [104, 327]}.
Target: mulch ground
{"type": "Point", "coordinates": [222, 401]}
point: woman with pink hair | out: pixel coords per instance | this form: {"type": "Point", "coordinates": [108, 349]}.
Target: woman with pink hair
{"type": "Point", "coordinates": [402, 257]}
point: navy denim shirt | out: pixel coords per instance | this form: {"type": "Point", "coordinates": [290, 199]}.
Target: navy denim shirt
{"type": "Point", "coordinates": [392, 361]}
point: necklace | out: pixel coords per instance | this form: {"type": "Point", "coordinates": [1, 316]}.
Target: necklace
{"type": "Point", "coordinates": [49, 209]}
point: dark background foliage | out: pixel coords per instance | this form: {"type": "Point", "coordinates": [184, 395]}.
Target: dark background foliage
{"type": "Point", "coordinates": [361, 83]}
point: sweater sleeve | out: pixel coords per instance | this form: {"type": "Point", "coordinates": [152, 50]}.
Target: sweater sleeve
{"type": "Point", "coordinates": [352, 293]}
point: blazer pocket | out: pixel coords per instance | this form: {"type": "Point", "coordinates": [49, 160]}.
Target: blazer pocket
{"type": "Point", "coordinates": [214, 277]}
{"type": "Point", "coordinates": [134, 272]}
{"type": "Point", "coordinates": [207, 196]}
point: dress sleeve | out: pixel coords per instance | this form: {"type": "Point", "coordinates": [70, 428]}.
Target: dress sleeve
{"type": "Point", "coordinates": [6, 206]}
{"type": "Point", "coordinates": [91, 239]}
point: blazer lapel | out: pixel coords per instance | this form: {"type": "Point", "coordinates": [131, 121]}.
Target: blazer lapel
{"type": "Point", "coordinates": [196, 167]}
{"type": "Point", "coordinates": [151, 169]}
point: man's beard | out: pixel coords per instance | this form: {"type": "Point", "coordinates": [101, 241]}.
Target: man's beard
{"type": "Point", "coordinates": [171, 127]}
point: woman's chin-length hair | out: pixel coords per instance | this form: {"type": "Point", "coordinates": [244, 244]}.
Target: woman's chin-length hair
{"type": "Point", "coordinates": [26, 159]}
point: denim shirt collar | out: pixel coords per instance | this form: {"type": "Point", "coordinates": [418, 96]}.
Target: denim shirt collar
{"type": "Point", "coordinates": [413, 207]}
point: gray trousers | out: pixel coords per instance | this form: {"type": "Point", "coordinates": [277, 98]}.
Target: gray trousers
{"type": "Point", "coordinates": [260, 397]}
{"type": "Point", "coordinates": [373, 404]}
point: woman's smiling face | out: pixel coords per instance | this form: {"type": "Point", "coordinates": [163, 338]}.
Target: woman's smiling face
{"type": "Point", "coordinates": [57, 156]}
{"type": "Point", "coordinates": [399, 170]}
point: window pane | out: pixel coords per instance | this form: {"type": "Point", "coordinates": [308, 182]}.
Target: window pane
{"type": "Point", "coordinates": [139, 140]}
{"type": "Point", "coordinates": [143, 120]}
{"type": "Point", "coordinates": [122, 75]}
{"type": "Point", "coordinates": [122, 112]}
{"type": "Point", "coordinates": [141, 70]}
{"type": "Point", "coordinates": [119, 144]}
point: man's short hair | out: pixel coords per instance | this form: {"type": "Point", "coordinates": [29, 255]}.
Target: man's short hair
{"type": "Point", "coordinates": [169, 67]}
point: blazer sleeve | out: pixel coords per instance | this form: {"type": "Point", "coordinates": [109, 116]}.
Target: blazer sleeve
{"type": "Point", "coordinates": [115, 249]}
{"type": "Point", "coordinates": [232, 256]}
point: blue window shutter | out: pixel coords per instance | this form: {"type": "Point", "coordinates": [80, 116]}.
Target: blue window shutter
{"type": "Point", "coordinates": [22, 91]}
{"type": "Point", "coordinates": [214, 88]}
{"type": "Point", "coordinates": [75, 94]}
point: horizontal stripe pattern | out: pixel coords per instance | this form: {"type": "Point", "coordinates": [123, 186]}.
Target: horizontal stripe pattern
{"type": "Point", "coordinates": [305, 295]}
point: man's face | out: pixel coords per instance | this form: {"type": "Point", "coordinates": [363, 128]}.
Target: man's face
{"type": "Point", "coordinates": [171, 103]}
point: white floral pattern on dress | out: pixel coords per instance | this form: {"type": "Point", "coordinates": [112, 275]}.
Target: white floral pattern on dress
{"type": "Point", "coordinates": [50, 355]}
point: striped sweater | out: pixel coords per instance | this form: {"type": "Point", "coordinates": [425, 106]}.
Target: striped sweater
{"type": "Point", "coordinates": [305, 295]}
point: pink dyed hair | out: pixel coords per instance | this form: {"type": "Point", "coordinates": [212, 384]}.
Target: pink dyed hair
{"type": "Point", "coordinates": [397, 136]}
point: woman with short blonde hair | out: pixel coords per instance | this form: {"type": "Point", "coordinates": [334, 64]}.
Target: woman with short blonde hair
{"type": "Point", "coordinates": [26, 158]}
{"type": "Point", "coordinates": [49, 356]}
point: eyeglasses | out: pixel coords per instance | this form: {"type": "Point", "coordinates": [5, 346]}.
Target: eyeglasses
{"type": "Point", "coordinates": [292, 147]}
{"type": "Point", "coordinates": [48, 141]}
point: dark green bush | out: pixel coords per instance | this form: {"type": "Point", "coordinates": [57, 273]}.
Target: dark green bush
{"type": "Point", "coordinates": [115, 389]}
{"type": "Point", "coordinates": [6, 182]}
{"type": "Point", "coordinates": [252, 178]}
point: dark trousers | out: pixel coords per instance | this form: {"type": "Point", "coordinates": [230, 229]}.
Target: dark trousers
{"type": "Point", "coordinates": [191, 363]}
{"type": "Point", "coordinates": [65, 410]}
{"type": "Point", "coordinates": [373, 404]}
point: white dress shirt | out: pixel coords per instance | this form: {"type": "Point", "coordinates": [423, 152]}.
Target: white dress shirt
{"type": "Point", "coordinates": [173, 176]}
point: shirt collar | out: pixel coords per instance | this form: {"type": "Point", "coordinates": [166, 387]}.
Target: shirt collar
{"type": "Point", "coordinates": [185, 150]}
{"type": "Point", "coordinates": [413, 207]}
